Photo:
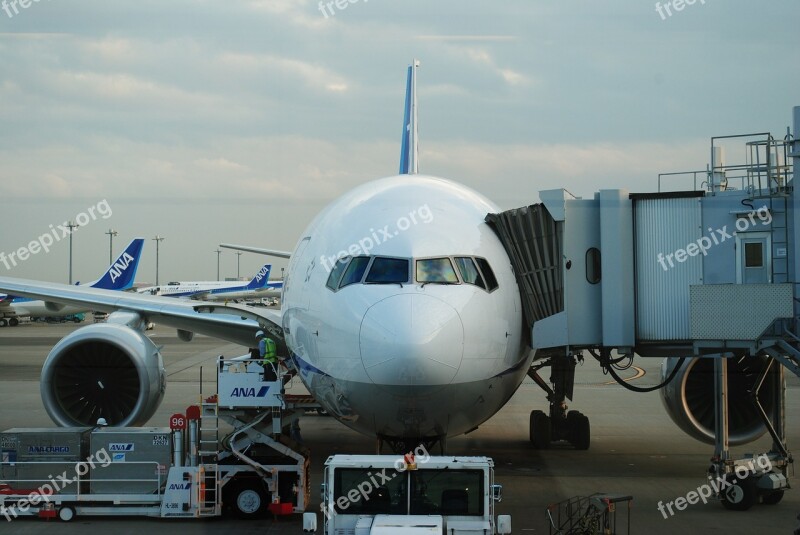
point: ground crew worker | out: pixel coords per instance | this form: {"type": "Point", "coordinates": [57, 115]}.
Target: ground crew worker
{"type": "Point", "coordinates": [269, 355]}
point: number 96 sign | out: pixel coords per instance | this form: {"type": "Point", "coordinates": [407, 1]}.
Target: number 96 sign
{"type": "Point", "coordinates": [177, 422]}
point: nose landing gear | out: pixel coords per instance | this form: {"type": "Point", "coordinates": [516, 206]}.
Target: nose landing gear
{"type": "Point", "coordinates": [560, 424]}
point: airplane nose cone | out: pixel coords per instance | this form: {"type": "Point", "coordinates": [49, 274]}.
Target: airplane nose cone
{"type": "Point", "coordinates": [412, 339]}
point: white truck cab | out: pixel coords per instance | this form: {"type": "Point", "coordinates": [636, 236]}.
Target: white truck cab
{"type": "Point", "coordinates": [411, 494]}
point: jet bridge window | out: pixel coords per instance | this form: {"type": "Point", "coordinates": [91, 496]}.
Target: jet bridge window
{"type": "Point", "coordinates": [436, 270]}
{"type": "Point", "coordinates": [593, 267]}
{"type": "Point", "coordinates": [753, 254]}
{"type": "Point", "coordinates": [388, 271]}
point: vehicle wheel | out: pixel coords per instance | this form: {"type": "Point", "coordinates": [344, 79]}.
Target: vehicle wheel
{"type": "Point", "coordinates": [540, 431]}
{"type": "Point", "coordinates": [739, 495]}
{"type": "Point", "coordinates": [3, 322]}
{"type": "Point", "coordinates": [247, 499]}
{"type": "Point", "coordinates": [76, 320]}
{"type": "Point", "coordinates": [13, 322]}
{"type": "Point", "coordinates": [773, 498]}
{"type": "Point", "coordinates": [66, 513]}
{"type": "Point", "coordinates": [579, 431]}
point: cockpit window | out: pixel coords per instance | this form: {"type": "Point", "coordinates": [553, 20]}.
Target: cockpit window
{"type": "Point", "coordinates": [336, 273]}
{"type": "Point", "coordinates": [355, 271]}
{"type": "Point", "coordinates": [436, 270]}
{"type": "Point", "coordinates": [388, 271]}
{"type": "Point", "coordinates": [488, 274]}
{"type": "Point", "coordinates": [385, 270]}
{"type": "Point", "coordinates": [469, 273]}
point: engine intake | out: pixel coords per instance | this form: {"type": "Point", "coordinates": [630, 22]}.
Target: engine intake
{"type": "Point", "coordinates": [689, 398]}
{"type": "Point", "coordinates": [106, 370]}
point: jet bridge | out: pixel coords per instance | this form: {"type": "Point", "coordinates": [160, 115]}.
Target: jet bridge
{"type": "Point", "coordinates": [707, 278]}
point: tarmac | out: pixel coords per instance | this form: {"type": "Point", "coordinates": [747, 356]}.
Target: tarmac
{"type": "Point", "coordinates": [635, 450]}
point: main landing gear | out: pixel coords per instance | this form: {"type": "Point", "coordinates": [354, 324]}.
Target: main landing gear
{"type": "Point", "coordinates": [560, 424]}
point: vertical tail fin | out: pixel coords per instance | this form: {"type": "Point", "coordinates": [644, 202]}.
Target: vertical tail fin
{"type": "Point", "coordinates": [261, 279]}
{"type": "Point", "coordinates": [122, 272]}
{"type": "Point", "coordinates": [409, 149]}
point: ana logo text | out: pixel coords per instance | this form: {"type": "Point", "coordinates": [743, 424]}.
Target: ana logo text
{"type": "Point", "coordinates": [48, 449]}
{"type": "Point", "coordinates": [243, 392]}
{"type": "Point", "coordinates": [120, 266]}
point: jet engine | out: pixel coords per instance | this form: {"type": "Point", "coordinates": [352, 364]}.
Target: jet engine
{"type": "Point", "coordinates": [106, 370]}
{"type": "Point", "coordinates": [689, 397]}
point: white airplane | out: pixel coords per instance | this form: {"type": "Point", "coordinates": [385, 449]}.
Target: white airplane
{"type": "Point", "coordinates": [259, 286]}
{"type": "Point", "coordinates": [400, 312]}
{"type": "Point", "coordinates": [119, 276]}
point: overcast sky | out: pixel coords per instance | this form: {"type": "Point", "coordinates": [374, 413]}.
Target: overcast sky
{"type": "Point", "coordinates": [207, 121]}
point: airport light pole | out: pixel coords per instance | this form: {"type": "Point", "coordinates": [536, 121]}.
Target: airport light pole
{"type": "Point", "coordinates": [158, 239]}
{"type": "Point", "coordinates": [219, 252]}
{"type": "Point", "coordinates": [71, 226]}
{"type": "Point", "coordinates": [111, 233]}
{"type": "Point", "coordinates": [238, 258]}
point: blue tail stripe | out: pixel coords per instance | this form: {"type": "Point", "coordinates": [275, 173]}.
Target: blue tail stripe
{"type": "Point", "coordinates": [122, 272]}
{"type": "Point", "coordinates": [405, 147]}
{"type": "Point", "coordinates": [261, 279]}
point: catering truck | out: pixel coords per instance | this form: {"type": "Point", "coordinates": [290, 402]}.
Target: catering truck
{"type": "Point", "coordinates": [187, 470]}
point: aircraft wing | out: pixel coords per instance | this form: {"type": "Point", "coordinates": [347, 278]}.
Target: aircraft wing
{"type": "Point", "coordinates": [234, 323]}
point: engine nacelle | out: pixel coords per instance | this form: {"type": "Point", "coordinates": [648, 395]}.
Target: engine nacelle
{"type": "Point", "coordinates": [689, 398]}
{"type": "Point", "coordinates": [104, 370]}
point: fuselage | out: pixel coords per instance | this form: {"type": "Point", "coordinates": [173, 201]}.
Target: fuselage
{"type": "Point", "coordinates": [401, 310]}
{"type": "Point", "coordinates": [187, 289]}
{"type": "Point", "coordinates": [218, 290]}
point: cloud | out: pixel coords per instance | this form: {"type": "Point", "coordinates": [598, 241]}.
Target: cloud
{"type": "Point", "coordinates": [296, 12]}
{"type": "Point", "coordinates": [465, 37]}
{"type": "Point", "coordinates": [312, 75]}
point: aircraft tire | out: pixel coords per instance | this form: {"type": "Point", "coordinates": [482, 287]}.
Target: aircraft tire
{"type": "Point", "coordinates": [579, 430]}
{"type": "Point", "coordinates": [540, 431]}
